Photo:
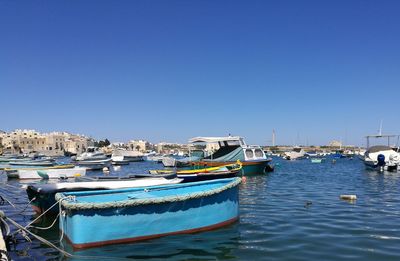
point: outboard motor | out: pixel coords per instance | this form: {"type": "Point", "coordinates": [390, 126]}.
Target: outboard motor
{"type": "Point", "coordinates": [381, 161]}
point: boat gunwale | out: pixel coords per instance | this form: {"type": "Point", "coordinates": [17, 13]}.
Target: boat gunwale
{"type": "Point", "coordinates": [68, 203]}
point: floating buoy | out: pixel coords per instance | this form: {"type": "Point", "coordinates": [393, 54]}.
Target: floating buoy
{"type": "Point", "coordinates": [348, 197]}
{"type": "Point", "coordinates": [105, 169]}
{"type": "Point", "coordinates": [307, 204]}
{"type": "Point", "coordinates": [244, 179]}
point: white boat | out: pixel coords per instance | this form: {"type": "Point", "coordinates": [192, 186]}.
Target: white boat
{"type": "Point", "coordinates": [94, 164]}
{"type": "Point", "coordinates": [295, 153]}
{"type": "Point", "coordinates": [91, 154]}
{"type": "Point", "coordinates": [119, 160]}
{"type": "Point", "coordinates": [51, 173]}
{"type": "Point", "coordinates": [155, 158]}
{"type": "Point", "coordinates": [129, 155]}
{"type": "Point", "coordinates": [381, 157]}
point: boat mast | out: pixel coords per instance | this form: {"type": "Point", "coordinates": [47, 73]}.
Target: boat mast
{"type": "Point", "coordinates": [273, 138]}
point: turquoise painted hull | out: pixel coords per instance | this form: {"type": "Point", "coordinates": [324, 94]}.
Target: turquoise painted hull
{"type": "Point", "coordinates": [254, 169]}
{"type": "Point", "coordinates": [105, 225]}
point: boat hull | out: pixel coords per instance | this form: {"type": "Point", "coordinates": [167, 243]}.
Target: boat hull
{"type": "Point", "coordinates": [142, 222]}
{"type": "Point", "coordinates": [51, 173]}
{"type": "Point", "coordinates": [371, 165]}
{"type": "Point", "coordinates": [248, 167]}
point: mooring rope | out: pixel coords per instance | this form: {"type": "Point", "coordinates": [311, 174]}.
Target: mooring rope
{"type": "Point", "coordinates": [14, 223]}
{"type": "Point", "coordinates": [3, 218]}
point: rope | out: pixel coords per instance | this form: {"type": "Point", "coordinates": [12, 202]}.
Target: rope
{"type": "Point", "coordinates": [4, 199]}
{"type": "Point", "coordinates": [45, 228]}
{"type": "Point", "coordinates": [3, 219]}
{"type": "Point", "coordinates": [68, 204]}
{"type": "Point", "coordinates": [37, 237]}
{"type": "Point", "coordinates": [44, 213]}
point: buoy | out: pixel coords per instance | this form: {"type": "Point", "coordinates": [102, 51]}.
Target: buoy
{"type": "Point", "coordinates": [348, 197]}
{"type": "Point", "coordinates": [244, 179]}
{"type": "Point", "coordinates": [105, 169]}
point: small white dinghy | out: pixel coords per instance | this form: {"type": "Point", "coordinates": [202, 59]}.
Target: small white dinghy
{"type": "Point", "coordinates": [51, 173]}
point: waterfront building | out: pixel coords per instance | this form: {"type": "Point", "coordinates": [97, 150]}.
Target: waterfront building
{"type": "Point", "coordinates": [138, 145]}
{"type": "Point", "coordinates": [50, 144]}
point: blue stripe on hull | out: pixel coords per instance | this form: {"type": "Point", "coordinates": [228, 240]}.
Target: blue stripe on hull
{"type": "Point", "coordinates": [86, 228]}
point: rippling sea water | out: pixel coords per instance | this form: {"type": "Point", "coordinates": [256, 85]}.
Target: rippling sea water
{"type": "Point", "coordinates": [293, 213]}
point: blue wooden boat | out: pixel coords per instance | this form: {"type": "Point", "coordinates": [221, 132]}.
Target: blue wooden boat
{"type": "Point", "coordinates": [96, 218]}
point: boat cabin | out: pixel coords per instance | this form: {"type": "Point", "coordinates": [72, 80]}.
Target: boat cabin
{"type": "Point", "coordinates": [231, 147]}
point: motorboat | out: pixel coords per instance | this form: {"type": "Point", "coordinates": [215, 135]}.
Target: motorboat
{"type": "Point", "coordinates": [129, 155]}
{"type": "Point", "coordinates": [119, 160]}
{"type": "Point", "coordinates": [294, 154]}
{"type": "Point", "coordinates": [92, 154]}
{"type": "Point", "coordinates": [94, 164]}
{"type": "Point", "coordinates": [382, 157]}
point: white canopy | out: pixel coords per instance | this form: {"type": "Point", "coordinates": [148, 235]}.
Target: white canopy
{"type": "Point", "coordinates": [215, 139]}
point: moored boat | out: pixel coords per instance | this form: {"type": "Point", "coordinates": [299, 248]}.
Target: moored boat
{"type": "Point", "coordinates": [143, 213]}
{"type": "Point", "coordinates": [91, 154]}
{"type": "Point", "coordinates": [119, 160]}
{"type": "Point", "coordinates": [94, 164]}
{"type": "Point", "coordinates": [294, 154]}
{"type": "Point", "coordinates": [13, 172]}
{"type": "Point", "coordinates": [231, 149]}
{"type": "Point", "coordinates": [201, 174]}
{"type": "Point", "coordinates": [128, 155]}
{"type": "Point", "coordinates": [42, 198]}
{"type": "Point", "coordinates": [381, 157]}
{"type": "Point", "coordinates": [51, 173]}
{"type": "Point", "coordinates": [316, 160]}
{"type": "Point", "coordinates": [41, 163]}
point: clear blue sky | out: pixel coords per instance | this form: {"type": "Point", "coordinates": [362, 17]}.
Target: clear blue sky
{"type": "Point", "coordinates": [170, 70]}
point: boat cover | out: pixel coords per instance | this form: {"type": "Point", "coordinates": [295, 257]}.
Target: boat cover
{"type": "Point", "coordinates": [234, 155]}
{"type": "Point", "coordinates": [378, 148]}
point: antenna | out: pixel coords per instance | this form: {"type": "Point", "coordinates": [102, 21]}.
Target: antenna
{"type": "Point", "coordinates": [380, 129]}
{"type": "Point", "coordinates": [273, 138]}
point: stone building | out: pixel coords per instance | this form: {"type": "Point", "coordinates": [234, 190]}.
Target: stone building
{"type": "Point", "coordinates": [138, 145]}
{"type": "Point", "coordinates": [50, 144]}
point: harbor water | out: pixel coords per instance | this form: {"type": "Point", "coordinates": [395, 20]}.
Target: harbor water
{"type": "Point", "coordinates": [293, 213]}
